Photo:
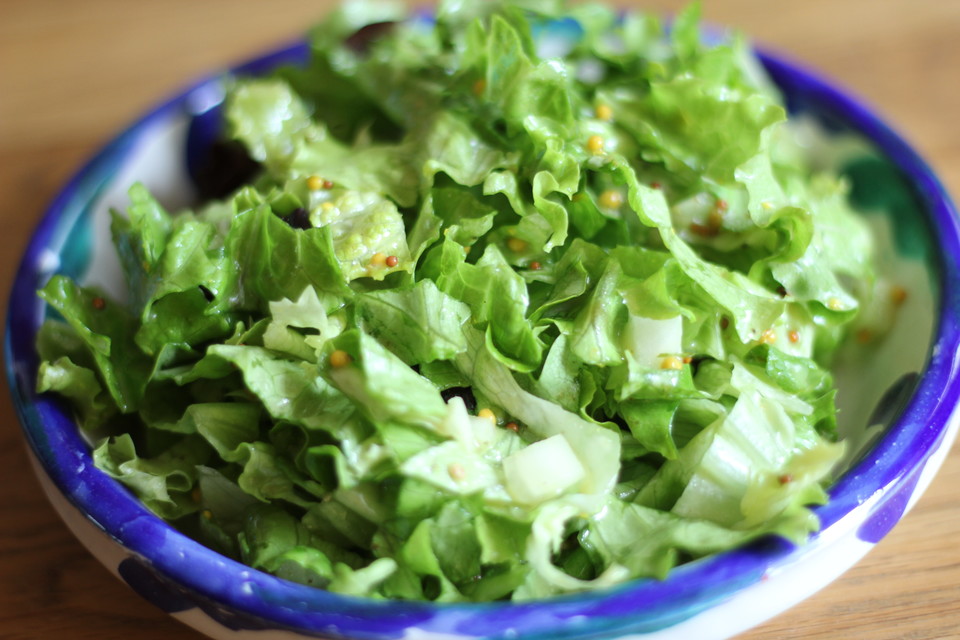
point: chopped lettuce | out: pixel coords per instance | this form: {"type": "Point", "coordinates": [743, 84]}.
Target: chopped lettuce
{"type": "Point", "coordinates": [523, 300]}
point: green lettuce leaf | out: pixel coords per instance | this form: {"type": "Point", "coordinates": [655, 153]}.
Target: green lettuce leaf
{"type": "Point", "coordinates": [523, 299]}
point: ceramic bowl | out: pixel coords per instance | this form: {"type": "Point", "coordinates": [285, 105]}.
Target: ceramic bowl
{"type": "Point", "coordinates": [912, 381]}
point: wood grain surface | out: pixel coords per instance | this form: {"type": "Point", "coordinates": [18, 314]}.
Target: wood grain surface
{"type": "Point", "coordinates": [73, 73]}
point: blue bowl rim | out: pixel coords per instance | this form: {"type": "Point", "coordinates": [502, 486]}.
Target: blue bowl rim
{"type": "Point", "coordinates": [892, 463]}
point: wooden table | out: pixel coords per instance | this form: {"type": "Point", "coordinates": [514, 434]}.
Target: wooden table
{"type": "Point", "coordinates": [72, 73]}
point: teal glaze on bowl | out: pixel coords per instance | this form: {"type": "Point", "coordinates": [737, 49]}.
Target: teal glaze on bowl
{"type": "Point", "coordinates": [711, 598]}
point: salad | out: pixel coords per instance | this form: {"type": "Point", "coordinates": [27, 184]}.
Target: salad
{"type": "Point", "coordinates": [514, 300]}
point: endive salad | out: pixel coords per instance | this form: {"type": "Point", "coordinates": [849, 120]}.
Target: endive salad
{"type": "Point", "coordinates": [521, 299]}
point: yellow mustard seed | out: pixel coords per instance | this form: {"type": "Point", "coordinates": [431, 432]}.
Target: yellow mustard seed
{"type": "Point", "coordinates": [314, 183]}
{"type": "Point", "coordinates": [516, 244]}
{"type": "Point", "coordinates": [603, 112]}
{"type": "Point", "coordinates": [456, 471]}
{"type": "Point", "coordinates": [487, 414]}
{"type": "Point", "coordinates": [339, 359]}
{"type": "Point", "coordinates": [378, 259]}
{"type": "Point", "coordinates": [672, 362]}
{"type": "Point", "coordinates": [768, 337]}
{"type": "Point", "coordinates": [595, 144]}
{"type": "Point", "coordinates": [326, 206]}
{"type": "Point", "coordinates": [611, 199]}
